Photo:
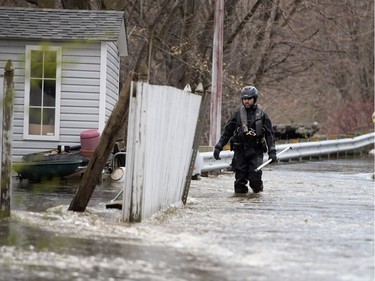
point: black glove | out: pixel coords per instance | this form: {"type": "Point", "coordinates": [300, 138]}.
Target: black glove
{"type": "Point", "coordinates": [272, 156]}
{"type": "Point", "coordinates": [217, 153]}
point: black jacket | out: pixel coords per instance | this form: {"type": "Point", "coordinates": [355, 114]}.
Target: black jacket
{"type": "Point", "coordinates": [233, 130]}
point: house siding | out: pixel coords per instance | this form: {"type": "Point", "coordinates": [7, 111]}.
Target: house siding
{"type": "Point", "coordinates": [80, 91]}
{"type": "Point", "coordinates": [112, 78]}
{"type": "Point", "coordinates": [80, 88]}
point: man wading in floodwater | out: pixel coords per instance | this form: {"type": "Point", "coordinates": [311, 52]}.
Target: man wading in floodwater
{"type": "Point", "coordinates": [250, 131]}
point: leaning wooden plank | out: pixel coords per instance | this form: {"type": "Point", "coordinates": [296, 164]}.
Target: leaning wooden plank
{"type": "Point", "coordinates": [99, 158]}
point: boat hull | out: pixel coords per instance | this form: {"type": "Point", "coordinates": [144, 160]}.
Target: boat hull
{"type": "Point", "coordinates": [46, 170]}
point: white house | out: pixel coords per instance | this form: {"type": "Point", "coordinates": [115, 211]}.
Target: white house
{"type": "Point", "coordinates": [67, 66]}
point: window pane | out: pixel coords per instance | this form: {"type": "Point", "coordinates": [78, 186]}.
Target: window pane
{"type": "Point", "coordinates": [49, 116]}
{"type": "Point", "coordinates": [50, 65]}
{"type": "Point", "coordinates": [48, 127]}
{"type": "Point", "coordinates": [36, 70]}
{"type": "Point", "coordinates": [49, 93]}
{"type": "Point", "coordinates": [35, 92]}
{"type": "Point", "coordinates": [48, 130]}
{"type": "Point", "coordinates": [43, 92]}
{"type": "Point", "coordinates": [35, 116]}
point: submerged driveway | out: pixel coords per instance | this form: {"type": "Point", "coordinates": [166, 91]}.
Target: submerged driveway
{"type": "Point", "coordinates": [314, 221]}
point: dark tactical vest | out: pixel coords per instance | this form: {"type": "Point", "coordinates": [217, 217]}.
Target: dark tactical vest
{"type": "Point", "coordinates": [258, 122]}
{"type": "Point", "coordinates": [249, 136]}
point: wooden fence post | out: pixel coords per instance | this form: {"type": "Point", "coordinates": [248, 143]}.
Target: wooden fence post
{"type": "Point", "coordinates": [198, 131]}
{"type": "Point", "coordinates": [6, 141]}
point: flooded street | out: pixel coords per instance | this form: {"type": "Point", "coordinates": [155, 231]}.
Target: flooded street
{"type": "Point", "coordinates": [314, 221]}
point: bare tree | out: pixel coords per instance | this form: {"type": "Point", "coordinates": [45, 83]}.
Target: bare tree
{"type": "Point", "coordinates": [307, 58]}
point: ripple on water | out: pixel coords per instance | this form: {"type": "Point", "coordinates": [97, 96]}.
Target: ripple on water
{"type": "Point", "coordinates": [310, 223]}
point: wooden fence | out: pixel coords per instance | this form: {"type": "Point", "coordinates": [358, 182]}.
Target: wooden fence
{"type": "Point", "coordinates": [160, 148]}
{"type": "Point", "coordinates": [2, 90]}
{"type": "Point", "coordinates": [6, 97]}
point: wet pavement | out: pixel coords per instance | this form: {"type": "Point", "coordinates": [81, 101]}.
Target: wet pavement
{"type": "Point", "coordinates": [314, 221]}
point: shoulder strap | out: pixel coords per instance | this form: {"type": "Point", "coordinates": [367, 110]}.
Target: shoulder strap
{"type": "Point", "coordinates": [243, 115]}
{"type": "Point", "coordinates": [258, 121]}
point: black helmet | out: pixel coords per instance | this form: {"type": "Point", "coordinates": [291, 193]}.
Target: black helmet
{"type": "Point", "coordinates": [249, 92]}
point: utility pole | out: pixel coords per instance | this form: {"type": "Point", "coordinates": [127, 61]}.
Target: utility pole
{"type": "Point", "coordinates": [217, 72]}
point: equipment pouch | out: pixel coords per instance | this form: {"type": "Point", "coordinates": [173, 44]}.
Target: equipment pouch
{"type": "Point", "coordinates": [237, 146]}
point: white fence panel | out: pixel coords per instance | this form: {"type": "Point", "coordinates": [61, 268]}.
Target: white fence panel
{"type": "Point", "coordinates": [159, 148]}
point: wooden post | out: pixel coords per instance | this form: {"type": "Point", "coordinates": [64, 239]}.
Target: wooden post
{"type": "Point", "coordinates": [6, 141]}
{"type": "Point", "coordinates": [99, 158]}
{"type": "Point", "coordinates": [198, 131]}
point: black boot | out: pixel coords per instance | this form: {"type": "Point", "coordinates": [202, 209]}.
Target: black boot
{"type": "Point", "coordinates": [257, 189]}
{"type": "Point", "coordinates": [240, 186]}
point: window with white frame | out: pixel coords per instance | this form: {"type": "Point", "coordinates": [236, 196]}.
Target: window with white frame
{"type": "Point", "coordinates": [42, 92]}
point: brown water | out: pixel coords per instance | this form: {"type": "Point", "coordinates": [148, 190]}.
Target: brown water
{"type": "Point", "coordinates": [314, 221]}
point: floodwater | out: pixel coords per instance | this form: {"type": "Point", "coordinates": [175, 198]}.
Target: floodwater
{"type": "Point", "coordinates": [314, 221]}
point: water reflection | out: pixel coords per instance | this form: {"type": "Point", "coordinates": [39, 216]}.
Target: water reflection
{"type": "Point", "coordinates": [38, 197]}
